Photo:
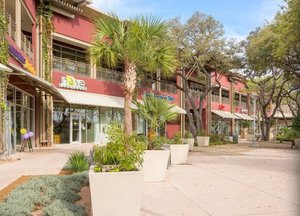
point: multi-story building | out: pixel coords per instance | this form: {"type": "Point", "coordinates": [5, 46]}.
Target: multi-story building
{"type": "Point", "coordinates": [54, 89]}
{"type": "Point", "coordinates": [226, 106]}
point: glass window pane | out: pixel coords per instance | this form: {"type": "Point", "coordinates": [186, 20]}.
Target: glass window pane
{"type": "Point", "coordinates": [18, 97]}
{"type": "Point", "coordinates": [10, 94]}
{"type": "Point", "coordinates": [105, 118]}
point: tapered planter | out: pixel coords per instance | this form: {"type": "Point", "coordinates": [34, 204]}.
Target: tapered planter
{"type": "Point", "coordinates": [189, 141]}
{"type": "Point", "coordinates": [116, 193]}
{"type": "Point", "coordinates": [297, 142]}
{"type": "Point", "coordinates": [203, 141]}
{"type": "Point", "coordinates": [179, 153]}
{"type": "Point", "coordinates": [155, 165]}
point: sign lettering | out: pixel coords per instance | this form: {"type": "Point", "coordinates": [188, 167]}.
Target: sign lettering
{"type": "Point", "coordinates": [71, 82]}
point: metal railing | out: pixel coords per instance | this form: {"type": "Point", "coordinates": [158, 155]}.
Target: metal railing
{"type": "Point", "coordinates": [225, 100]}
{"type": "Point", "coordinates": [11, 26]}
{"type": "Point", "coordinates": [168, 87]}
{"type": "Point", "coordinates": [70, 66]}
{"type": "Point", "coordinates": [109, 75]}
{"type": "Point", "coordinates": [26, 45]}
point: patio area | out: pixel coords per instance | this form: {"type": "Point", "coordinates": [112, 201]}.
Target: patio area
{"type": "Point", "coordinates": [223, 180]}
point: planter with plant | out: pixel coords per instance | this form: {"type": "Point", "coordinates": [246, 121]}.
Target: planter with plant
{"type": "Point", "coordinates": [202, 139]}
{"type": "Point", "coordinates": [116, 182]}
{"type": "Point", "coordinates": [156, 112]}
{"type": "Point", "coordinates": [188, 139]}
{"type": "Point", "coordinates": [179, 151]}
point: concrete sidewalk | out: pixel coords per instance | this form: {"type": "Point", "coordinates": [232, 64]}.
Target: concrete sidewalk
{"type": "Point", "coordinates": [42, 161]}
{"type": "Point", "coordinates": [224, 180]}
{"type": "Point", "coordinates": [253, 182]}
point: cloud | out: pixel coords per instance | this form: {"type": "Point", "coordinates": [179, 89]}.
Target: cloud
{"type": "Point", "coordinates": [124, 8]}
{"type": "Point", "coordinates": [230, 33]}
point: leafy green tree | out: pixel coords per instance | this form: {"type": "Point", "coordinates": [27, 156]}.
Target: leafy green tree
{"type": "Point", "coordinates": [201, 50]}
{"type": "Point", "coordinates": [157, 112]}
{"type": "Point", "coordinates": [141, 44]}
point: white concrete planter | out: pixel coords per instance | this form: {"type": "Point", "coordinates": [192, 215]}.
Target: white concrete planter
{"type": "Point", "coordinates": [297, 142]}
{"type": "Point", "coordinates": [189, 141]}
{"type": "Point", "coordinates": [179, 153]}
{"type": "Point", "coordinates": [203, 140]}
{"type": "Point", "coordinates": [249, 137]}
{"type": "Point", "coordinates": [155, 165]}
{"type": "Point", "coordinates": [116, 193]}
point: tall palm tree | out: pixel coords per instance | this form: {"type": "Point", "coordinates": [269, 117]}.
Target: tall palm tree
{"type": "Point", "coordinates": [157, 112]}
{"type": "Point", "coordinates": [141, 44]}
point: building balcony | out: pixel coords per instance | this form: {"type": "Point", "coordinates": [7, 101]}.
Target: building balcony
{"type": "Point", "coordinates": [11, 26]}
{"type": "Point", "coordinates": [225, 100]}
{"type": "Point", "coordinates": [168, 87]}
{"type": "Point", "coordinates": [26, 44]}
{"type": "Point", "coordinates": [109, 75]}
{"type": "Point", "coordinates": [70, 66]}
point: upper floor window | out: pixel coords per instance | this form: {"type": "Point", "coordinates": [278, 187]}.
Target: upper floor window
{"type": "Point", "coordinates": [70, 59]}
{"type": "Point", "coordinates": [236, 99]}
{"type": "Point", "coordinates": [225, 96]}
{"type": "Point", "coordinates": [215, 95]}
{"type": "Point", "coordinates": [244, 101]}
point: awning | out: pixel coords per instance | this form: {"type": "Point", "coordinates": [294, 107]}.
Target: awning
{"type": "Point", "coordinates": [36, 81]}
{"type": "Point", "coordinates": [179, 110]}
{"type": "Point", "coordinates": [244, 116]}
{"type": "Point", "coordinates": [93, 99]}
{"type": "Point", "coordinates": [225, 114]}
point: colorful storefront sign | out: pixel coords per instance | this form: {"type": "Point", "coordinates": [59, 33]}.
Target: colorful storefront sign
{"type": "Point", "coordinates": [20, 58]}
{"type": "Point", "coordinates": [71, 82]}
{"type": "Point", "coordinates": [166, 97]}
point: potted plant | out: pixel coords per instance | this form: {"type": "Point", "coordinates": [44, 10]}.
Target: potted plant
{"type": "Point", "coordinates": [156, 112]}
{"type": "Point", "coordinates": [179, 151]}
{"type": "Point", "coordinates": [188, 139]}
{"type": "Point", "coordinates": [115, 180]}
{"type": "Point", "coordinates": [202, 139]}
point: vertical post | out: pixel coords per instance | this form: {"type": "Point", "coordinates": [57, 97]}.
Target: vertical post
{"type": "Point", "coordinates": [18, 22]}
{"type": "Point", "coordinates": [254, 120]}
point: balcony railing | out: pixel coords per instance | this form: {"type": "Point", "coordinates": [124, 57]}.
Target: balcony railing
{"type": "Point", "coordinates": [168, 87]}
{"type": "Point", "coordinates": [26, 45]}
{"type": "Point", "coordinates": [70, 66]}
{"type": "Point", "coordinates": [225, 100]}
{"type": "Point", "coordinates": [11, 26]}
{"type": "Point", "coordinates": [215, 98]}
{"type": "Point", "coordinates": [109, 75]}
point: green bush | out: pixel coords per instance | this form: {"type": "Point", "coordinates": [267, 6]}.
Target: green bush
{"type": "Point", "coordinates": [201, 133]}
{"type": "Point", "coordinates": [287, 134]}
{"type": "Point", "coordinates": [158, 142]}
{"type": "Point", "coordinates": [296, 124]}
{"type": "Point", "coordinates": [122, 152]}
{"type": "Point", "coordinates": [176, 139]}
{"type": "Point", "coordinates": [78, 162]}
{"type": "Point", "coordinates": [44, 191]}
{"type": "Point", "coordinates": [62, 208]}
{"type": "Point", "coordinates": [218, 139]}
{"type": "Point", "coordinates": [188, 135]}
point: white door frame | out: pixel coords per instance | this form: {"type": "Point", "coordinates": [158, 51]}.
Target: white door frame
{"type": "Point", "coordinates": [71, 128]}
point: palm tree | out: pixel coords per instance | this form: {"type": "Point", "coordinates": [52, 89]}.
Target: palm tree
{"type": "Point", "coordinates": [156, 111]}
{"type": "Point", "coordinates": [140, 44]}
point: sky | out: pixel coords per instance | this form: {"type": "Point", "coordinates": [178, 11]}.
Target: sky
{"type": "Point", "coordinates": [239, 17]}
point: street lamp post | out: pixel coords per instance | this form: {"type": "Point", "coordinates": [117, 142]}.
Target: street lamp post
{"type": "Point", "coordinates": [254, 95]}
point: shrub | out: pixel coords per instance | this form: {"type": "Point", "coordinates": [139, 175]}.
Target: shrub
{"type": "Point", "coordinates": [201, 133]}
{"type": "Point", "coordinates": [296, 124]}
{"type": "Point", "coordinates": [217, 139]}
{"type": "Point", "coordinates": [122, 152]}
{"type": "Point", "coordinates": [63, 208]}
{"type": "Point", "coordinates": [78, 162]}
{"type": "Point", "coordinates": [176, 139]}
{"type": "Point", "coordinates": [287, 134]}
{"type": "Point", "coordinates": [44, 191]}
{"type": "Point", "coordinates": [158, 142]}
{"type": "Point", "coordinates": [188, 135]}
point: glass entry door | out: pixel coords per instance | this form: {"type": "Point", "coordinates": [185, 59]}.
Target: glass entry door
{"type": "Point", "coordinates": [75, 128]}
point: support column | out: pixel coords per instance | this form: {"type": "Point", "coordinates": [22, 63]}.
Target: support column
{"type": "Point", "coordinates": [18, 22]}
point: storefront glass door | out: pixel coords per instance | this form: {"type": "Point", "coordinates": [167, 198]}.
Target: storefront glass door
{"type": "Point", "coordinates": [75, 128]}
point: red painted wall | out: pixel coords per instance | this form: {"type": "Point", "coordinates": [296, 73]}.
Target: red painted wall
{"type": "Point", "coordinates": [79, 28]}
{"type": "Point", "coordinates": [172, 129]}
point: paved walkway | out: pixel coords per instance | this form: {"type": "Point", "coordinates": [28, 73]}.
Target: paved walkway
{"type": "Point", "coordinates": [224, 180]}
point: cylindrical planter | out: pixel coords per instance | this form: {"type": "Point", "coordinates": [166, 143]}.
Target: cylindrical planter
{"type": "Point", "coordinates": [179, 153]}
{"type": "Point", "coordinates": [189, 141]}
{"type": "Point", "coordinates": [116, 193]}
{"type": "Point", "coordinates": [155, 165]}
{"type": "Point", "coordinates": [297, 142]}
{"type": "Point", "coordinates": [203, 141]}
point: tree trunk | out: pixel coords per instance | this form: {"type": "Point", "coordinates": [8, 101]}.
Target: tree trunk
{"type": "Point", "coordinates": [268, 128]}
{"type": "Point", "coordinates": [191, 120]}
{"type": "Point", "coordinates": [129, 86]}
